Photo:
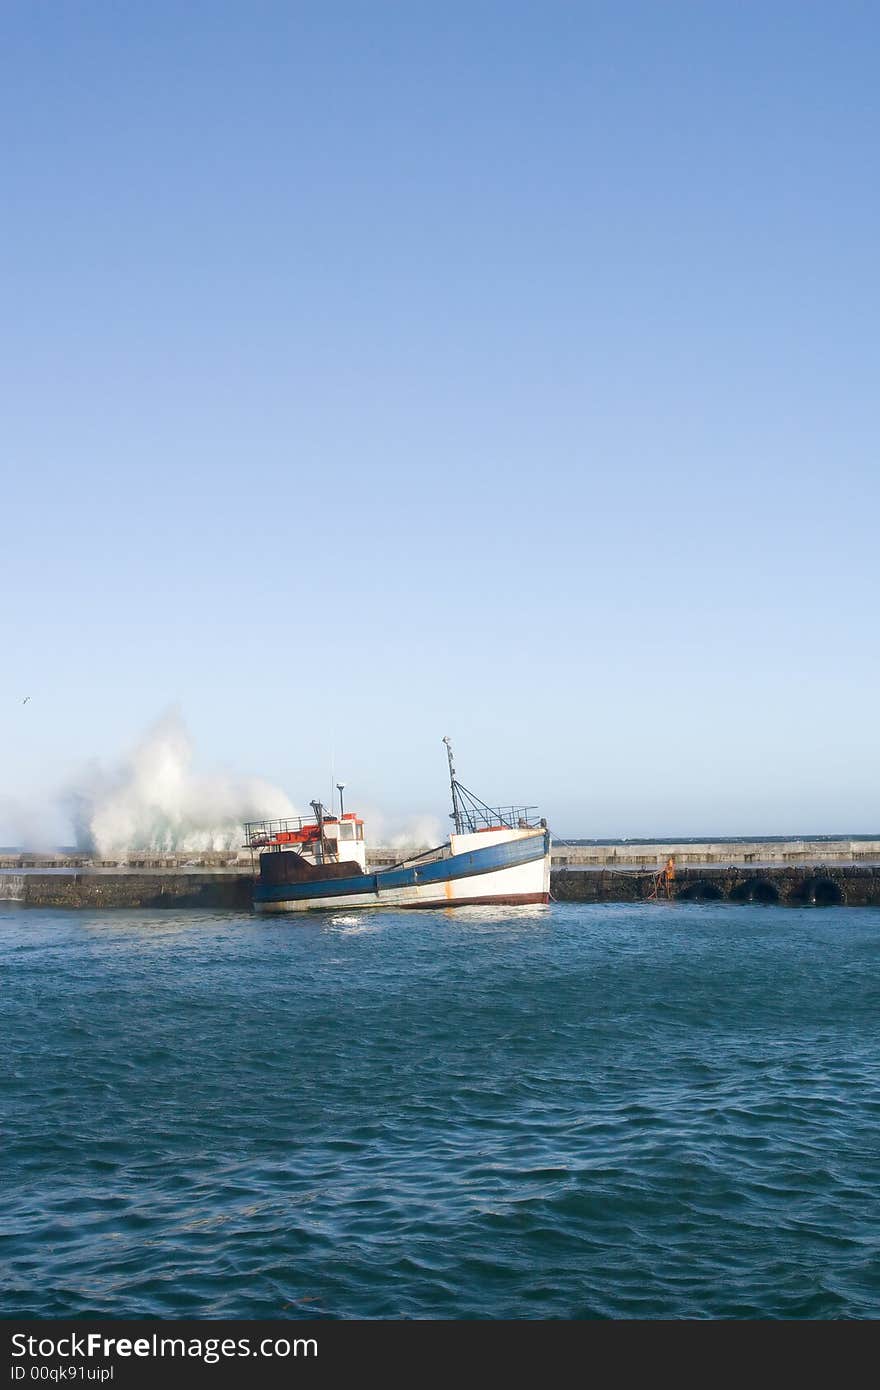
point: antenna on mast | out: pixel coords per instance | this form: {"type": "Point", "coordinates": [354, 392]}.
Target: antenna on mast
{"type": "Point", "coordinates": [453, 785]}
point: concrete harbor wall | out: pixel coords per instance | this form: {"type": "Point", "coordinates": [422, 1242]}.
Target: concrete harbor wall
{"type": "Point", "coordinates": [222, 891]}
{"type": "Point", "coordinates": [853, 885]}
{"type": "Point", "coordinates": [634, 854]}
{"type": "Point", "coordinates": [818, 884]}
{"type": "Point", "coordinates": [215, 861]}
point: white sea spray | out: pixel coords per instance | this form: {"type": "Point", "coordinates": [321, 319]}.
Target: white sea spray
{"type": "Point", "coordinates": [154, 799]}
{"type": "Point", "coordinates": [415, 832]}
{"type": "Point", "coordinates": [421, 832]}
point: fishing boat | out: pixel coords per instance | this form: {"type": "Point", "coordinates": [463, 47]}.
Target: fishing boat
{"type": "Point", "coordinates": [496, 855]}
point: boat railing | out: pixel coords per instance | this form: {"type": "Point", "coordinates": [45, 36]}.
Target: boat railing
{"type": "Point", "coordinates": [260, 834]}
{"type": "Point", "coordinates": [266, 832]}
{"type": "Point", "coordinates": [479, 817]}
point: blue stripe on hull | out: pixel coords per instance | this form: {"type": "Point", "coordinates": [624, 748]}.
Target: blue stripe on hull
{"type": "Point", "coordinates": [478, 861]}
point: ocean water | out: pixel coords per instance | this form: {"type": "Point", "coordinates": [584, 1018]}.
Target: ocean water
{"type": "Point", "coordinates": [581, 1111]}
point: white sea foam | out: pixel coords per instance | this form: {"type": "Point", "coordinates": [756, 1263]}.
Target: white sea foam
{"type": "Point", "coordinates": [155, 800]}
{"type": "Point", "coordinates": [350, 925]}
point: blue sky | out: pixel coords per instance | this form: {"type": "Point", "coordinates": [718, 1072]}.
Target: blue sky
{"type": "Point", "coordinates": [378, 371]}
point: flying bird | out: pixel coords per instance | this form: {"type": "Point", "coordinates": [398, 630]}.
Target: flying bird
{"type": "Point", "coordinates": [25, 700]}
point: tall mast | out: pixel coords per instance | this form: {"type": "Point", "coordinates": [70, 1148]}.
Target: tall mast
{"type": "Point", "coordinates": [319, 817]}
{"type": "Point", "coordinates": [453, 785]}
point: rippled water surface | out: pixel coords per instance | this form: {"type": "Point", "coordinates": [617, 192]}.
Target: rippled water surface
{"type": "Point", "coordinates": [571, 1112]}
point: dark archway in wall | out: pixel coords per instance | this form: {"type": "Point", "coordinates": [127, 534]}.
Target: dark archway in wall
{"type": "Point", "coordinates": [755, 890]}
{"type": "Point", "coordinates": [827, 893]}
{"type": "Point", "coordinates": [701, 892]}
{"type": "Point", "coordinates": [817, 892]}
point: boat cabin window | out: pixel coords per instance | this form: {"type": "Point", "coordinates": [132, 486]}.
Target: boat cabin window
{"type": "Point", "coordinates": [360, 832]}
{"type": "Point", "coordinates": [346, 830]}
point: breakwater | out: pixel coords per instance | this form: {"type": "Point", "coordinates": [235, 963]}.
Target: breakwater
{"type": "Point", "coordinates": [801, 885]}
{"type": "Point", "coordinates": [821, 885]}
{"type": "Point", "coordinates": [155, 889]}
{"type": "Point", "coordinates": [770, 851]}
